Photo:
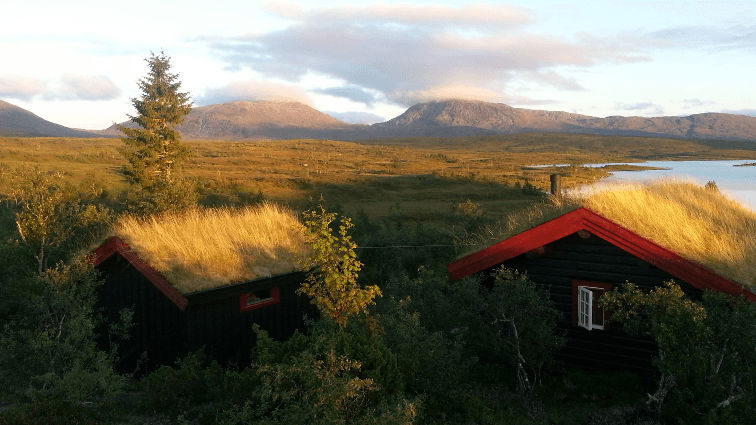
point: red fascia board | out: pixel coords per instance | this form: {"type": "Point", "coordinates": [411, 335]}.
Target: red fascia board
{"type": "Point", "coordinates": [518, 244]}
{"type": "Point", "coordinates": [117, 245]}
{"type": "Point", "coordinates": [585, 219]}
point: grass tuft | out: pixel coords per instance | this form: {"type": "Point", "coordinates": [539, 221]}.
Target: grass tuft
{"type": "Point", "coordinates": [207, 248]}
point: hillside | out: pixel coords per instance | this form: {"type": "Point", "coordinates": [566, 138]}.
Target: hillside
{"type": "Point", "coordinates": [255, 120]}
{"type": "Point", "coordinates": [450, 118]}
{"type": "Point", "coordinates": [15, 121]}
{"type": "Point", "coordinates": [504, 119]}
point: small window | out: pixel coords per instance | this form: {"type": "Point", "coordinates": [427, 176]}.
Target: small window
{"type": "Point", "coordinates": [586, 311]}
{"type": "Point", "coordinates": [260, 298]}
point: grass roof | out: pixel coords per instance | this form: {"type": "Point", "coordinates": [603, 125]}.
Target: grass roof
{"type": "Point", "coordinates": [700, 224]}
{"type": "Point", "coordinates": [208, 248]}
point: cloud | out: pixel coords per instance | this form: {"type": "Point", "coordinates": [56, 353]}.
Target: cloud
{"type": "Point", "coordinates": [411, 97]}
{"type": "Point", "coordinates": [65, 87]}
{"type": "Point", "coordinates": [84, 87]}
{"type": "Point", "coordinates": [553, 79]}
{"type": "Point", "coordinates": [712, 38]}
{"type": "Point", "coordinates": [421, 15]}
{"type": "Point", "coordinates": [354, 117]}
{"type": "Point", "coordinates": [405, 51]}
{"type": "Point", "coordinates": [352, 93]}
{"type": "Point", "coordinates": [254, 91]}
{"type": "Point", "coordinates": [646, 108]}
{"type": "Point", "coordinates": [696, 103]}
{"type": "Point", "coordinates": [21, 87]}
{"type": "Point", "coordinates": [527, 101]}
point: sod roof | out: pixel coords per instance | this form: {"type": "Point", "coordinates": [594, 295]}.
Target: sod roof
{"type": "Point", "coordinates": [701, 225]}
{"type": "Point", "coordinates": [203, 249]}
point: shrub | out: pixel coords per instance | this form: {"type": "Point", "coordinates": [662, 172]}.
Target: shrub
{"type": "Point", "coordinates": [330, 376]}
{"type": "Point", "coordinates": [707, 350]}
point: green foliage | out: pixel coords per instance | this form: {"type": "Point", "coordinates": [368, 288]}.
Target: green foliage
{"type": "Point", "coordinates": [162, 196]}
{"type": "Point", "coordinates": [519, 322]}
{"type": "Point", "coordinates": [49, 412]}
{"type": "Point", "coordinates": [195, 389]}
{"type": "Point", "coordinates": [331, 376]}
{"type": "Point", "coordinates": [154, 150]}
{"type": "Point", "coordinates": [47, 318]}
{"type": "Point", "coordinates": [430, 362]}
{"type": "Point", "coordinates": [392, 252]}
{"type": "Point", "coordinates": [51, 216]}
{"type": "Point", "coordinates": [332, 284]}
{"type": "Point", "coordinates": [49, 347]}
{"type": "Point", "coordinates": [707, 350]}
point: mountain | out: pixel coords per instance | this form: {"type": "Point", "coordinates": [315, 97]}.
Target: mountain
{"type": "Point", "coordinates": [252, 120]}
{"type": "Point", "coordinates": [503, 119]}
{"type": "Point", "coordinates": [15, 121]}
{"type": "Point", "coordinates": [450, 118]}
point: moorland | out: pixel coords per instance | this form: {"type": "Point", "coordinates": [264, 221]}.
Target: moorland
{"type": "Point", "coordinates": [401, 192]}
{"type": "Point", "coordinates": [425, 177]}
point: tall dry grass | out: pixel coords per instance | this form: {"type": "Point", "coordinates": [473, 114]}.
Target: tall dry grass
{"type": "Point", "coordinates": [207, 248]}
{"type": "Point", "coordinates": [699, 224]}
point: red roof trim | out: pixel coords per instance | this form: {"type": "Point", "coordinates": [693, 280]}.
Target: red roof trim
{"type": "Point", "coordinates": [117, 245]}
{"type": "Point", "coordinates": [585, 219]}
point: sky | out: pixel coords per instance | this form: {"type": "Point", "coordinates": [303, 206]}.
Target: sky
{"type": "Point", "coordinates": [77, 63]}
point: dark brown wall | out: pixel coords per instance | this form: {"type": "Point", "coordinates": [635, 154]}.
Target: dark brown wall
{"type": "Point", "coordinates": [159, 326]}
{"type": "Point", "coordinates": [226, 333]}
{"type": "Point", "coordinates": [593, 259]}
{"type": "Point", "coordinates": [211, 319]}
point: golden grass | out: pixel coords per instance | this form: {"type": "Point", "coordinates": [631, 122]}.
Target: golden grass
{"type": "Point", "coordinates": [207, 248]}
{"type": "Point", "coordinates": [701, 225]}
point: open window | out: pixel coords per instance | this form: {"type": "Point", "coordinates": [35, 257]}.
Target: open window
{"type": "Point", "coordinates": [260, 298]}
{"type": "Point", "coordinates": [586, 311]}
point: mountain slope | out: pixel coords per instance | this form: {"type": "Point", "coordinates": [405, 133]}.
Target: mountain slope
{"type": "Point", "coordinates": [15, 121]}
{"type": "Point", "coordinates": [501, 118]}
{"type": "Point", "coordinates": [248, 120]}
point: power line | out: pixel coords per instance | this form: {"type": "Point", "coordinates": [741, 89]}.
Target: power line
{"type": "Point", "coordinates": [409, 246]}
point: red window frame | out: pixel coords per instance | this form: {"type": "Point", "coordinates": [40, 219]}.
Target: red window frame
{"type": "Point", "coordinates": [578, 283]}
{"type": "Point", "coordinates": [245, 305]}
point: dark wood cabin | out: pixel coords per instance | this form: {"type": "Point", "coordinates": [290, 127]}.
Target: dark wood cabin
{"type": "Point", "coordinates": [577, 257]}
{"type": "Point", "coordinates": [168, 325]}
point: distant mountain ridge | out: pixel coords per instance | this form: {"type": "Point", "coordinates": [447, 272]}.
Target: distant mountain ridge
{"type": "Point", "coordinates": [450, 118]}
{"type": "Point", "coordinates": [16, 121]}
{"type": "Point", "coordinates": [504, 119]}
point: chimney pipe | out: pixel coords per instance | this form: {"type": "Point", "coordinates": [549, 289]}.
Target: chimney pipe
{"type": "Point", "coordinates": [556, 185]}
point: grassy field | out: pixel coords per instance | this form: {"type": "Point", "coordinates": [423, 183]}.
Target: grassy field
{"type": "Point", "coordinates": [424, 178]}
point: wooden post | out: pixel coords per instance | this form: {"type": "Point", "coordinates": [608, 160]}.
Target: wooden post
{"type": "Point", "coordinates": [556, 185]}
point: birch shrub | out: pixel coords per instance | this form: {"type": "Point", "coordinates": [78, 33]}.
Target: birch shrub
{"type": "Point", "coordinates": [707, 350]}
{"type": "Point", "coordinates": [518, 321]}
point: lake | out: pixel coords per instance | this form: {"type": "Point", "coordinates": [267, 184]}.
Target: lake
{"type": "Point", "coordinates": [738, 182]}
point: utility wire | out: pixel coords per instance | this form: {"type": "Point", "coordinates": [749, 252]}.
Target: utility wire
{"type": "Point", "coordinates": [409, 246]}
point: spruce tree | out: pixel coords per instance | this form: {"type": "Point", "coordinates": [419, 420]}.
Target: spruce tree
{"type": "Point", "coordinates": [154, 150]}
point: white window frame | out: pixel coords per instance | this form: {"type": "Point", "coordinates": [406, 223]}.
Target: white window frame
{"type": "Point", "coordinates": [585, 307]}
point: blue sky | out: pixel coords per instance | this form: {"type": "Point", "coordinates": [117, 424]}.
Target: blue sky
{"type": "Point", "coordinates": [77, 63]}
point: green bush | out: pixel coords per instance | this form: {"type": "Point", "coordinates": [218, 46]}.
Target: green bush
{"type": "Point", "coordinates": [50, 412]}
{"type": "Point", "coordinates": [49, 347]}
{"type": "Point", "coordinates": [707, 350]}
{"type": "Point", "coordinates": [329, 376]}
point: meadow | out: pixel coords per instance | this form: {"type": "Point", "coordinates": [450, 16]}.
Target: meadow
{"type": "Point", "coordinates": [423, 177]}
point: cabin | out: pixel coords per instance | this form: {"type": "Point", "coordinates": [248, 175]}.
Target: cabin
{"type": "Point", "coordinates": [581, 254]}
{"type": "Point", "coordinates": [178, 309]}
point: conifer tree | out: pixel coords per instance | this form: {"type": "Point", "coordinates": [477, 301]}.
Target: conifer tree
{"type": "Point", "coordinates": [155, 151]}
